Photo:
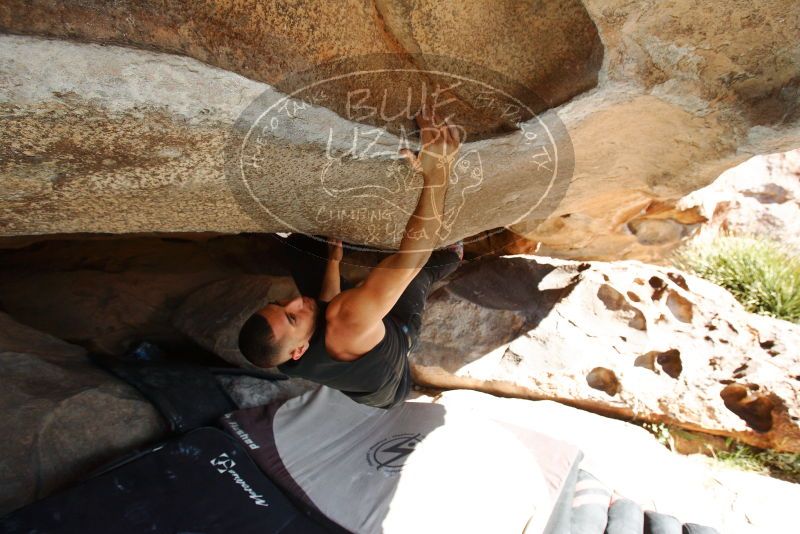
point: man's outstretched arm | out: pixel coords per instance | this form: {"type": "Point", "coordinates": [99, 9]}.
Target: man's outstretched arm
{"type": "Point", "coordinates": [359, 311]}
{"type": "Point", "coordinates": [331, 281]}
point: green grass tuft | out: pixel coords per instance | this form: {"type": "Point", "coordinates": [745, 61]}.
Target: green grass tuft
{"type": "Point", "coordinates": [761, 274]}
{"type": "Point", "coordinates": [731, 453]}
{"type": "Point", "coordinates": [782, 465]}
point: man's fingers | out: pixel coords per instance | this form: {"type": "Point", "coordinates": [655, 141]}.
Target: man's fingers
{"type": "Point", "coordinates": [422, 120]}
{"type": "Point", "coordinates": [406, 153]}
{"type": "Point", "coordinates": [429, 136]}
{"type": "Point", "coordinates": [432, 129]}
{"type": "Point", "coordinates": [428, 121]}
{"type": "Point", "coordinates": [454, 132]}
{"type": "Point", "coordinates": [438, 135]}
{"type": "Point", "coordinates": [447, 133]}
{"type": "Point", "coordinates": [412, 158]}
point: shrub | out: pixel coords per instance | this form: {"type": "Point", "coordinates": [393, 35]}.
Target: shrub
{"type": "Point", "coordinates": [761, 274]}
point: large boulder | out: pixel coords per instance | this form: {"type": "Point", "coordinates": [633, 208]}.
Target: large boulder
{"type": "Point", "coordinates": [77, 132]}
{"type": "Point", "coordinates": [270, 42]}
{"type": "Point", "coordinates": [656, 100]}
{"type": "Point", "coordinates": [684, 94]}
{"type": "Point", "coordinates": [760, 197]}
{"type": "Point", "coordinates": [61, 416]}
{"type": "Point", "coordinates": [623, 339]}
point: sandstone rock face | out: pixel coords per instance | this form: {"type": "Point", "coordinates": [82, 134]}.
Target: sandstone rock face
{"type": "Point", "coordinates": [61, 416]}
{"type": "Point", "coordinates": [683, 95]}
{"type": "Point", "coordinates": [760, 197]}
{"type": "Point", "coordinates": [624, 339]}
{"type": "Point", "coordinates": [107, 139]}
{"type": "Point", "coordinates": [271, 41]}
{"type": "Point", "coordinates": [176, 149]}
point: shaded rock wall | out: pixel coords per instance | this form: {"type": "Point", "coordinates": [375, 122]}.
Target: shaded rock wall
{"type": "Point", "coordinates": [61, 416]}
{"type": "Point", "coordinates": [108, 294]}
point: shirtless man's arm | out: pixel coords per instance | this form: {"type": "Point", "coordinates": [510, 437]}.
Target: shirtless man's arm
{"type": "Point", "coordinates": [355, 317]}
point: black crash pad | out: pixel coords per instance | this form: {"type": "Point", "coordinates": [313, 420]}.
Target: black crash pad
{"type": "Point", "coordinates": [201, 482]}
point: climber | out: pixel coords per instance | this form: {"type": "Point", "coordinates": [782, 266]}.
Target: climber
{"type": "Point", "coordinates": [357, 339]}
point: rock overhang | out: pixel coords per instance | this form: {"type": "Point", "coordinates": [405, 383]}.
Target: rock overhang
{"type": "Point", "coordinates": [548, 51]}
{"type": "Point", "coordinates": [78, 127]}
{"type": "Point", "coordinates": [679, 97]}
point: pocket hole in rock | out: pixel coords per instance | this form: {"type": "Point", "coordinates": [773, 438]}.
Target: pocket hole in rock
{"type": "Point", "coordinates": [667, 361]}
{"type": "Point", "coordinates": [670, 362]}
{"type": "Point", "coordinates": [754, 410]}
{"type": "Point", "coordinates": [678, 280]}
{"type": "Point", "coordinates": [616, 301]}
{"type": "Point", "coordinates": [647, 360]}
{"type": "Point", "coordinates": [658, 286]}
{"type": "Point", "coordinates": [682, 309]}
{"type": "Point", "coordinates": [605, 380]}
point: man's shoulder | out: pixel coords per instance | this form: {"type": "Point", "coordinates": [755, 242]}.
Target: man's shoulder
{"type": "Point", "coordinates": [347, 342]}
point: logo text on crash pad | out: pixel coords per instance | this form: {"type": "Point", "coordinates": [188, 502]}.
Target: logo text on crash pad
{"type": "Point", "coordinates": [389, 455]}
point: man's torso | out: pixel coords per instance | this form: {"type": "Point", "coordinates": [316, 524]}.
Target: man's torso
{"type": "Point", "coordinates": [376, 378]}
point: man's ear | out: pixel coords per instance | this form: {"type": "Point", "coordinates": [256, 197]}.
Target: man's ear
{"type": "Point", "coordinates": [299, 351]}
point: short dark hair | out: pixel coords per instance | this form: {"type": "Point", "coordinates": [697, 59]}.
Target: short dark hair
{"type": "Point", "coordinates": [257, 342]}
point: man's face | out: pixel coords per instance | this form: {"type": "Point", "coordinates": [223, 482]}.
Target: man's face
{"type": "Point", "coordinates": [292, 322]}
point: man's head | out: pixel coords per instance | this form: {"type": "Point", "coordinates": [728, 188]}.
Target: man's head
{"type": "Point", "coordinates": [279, 332]}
